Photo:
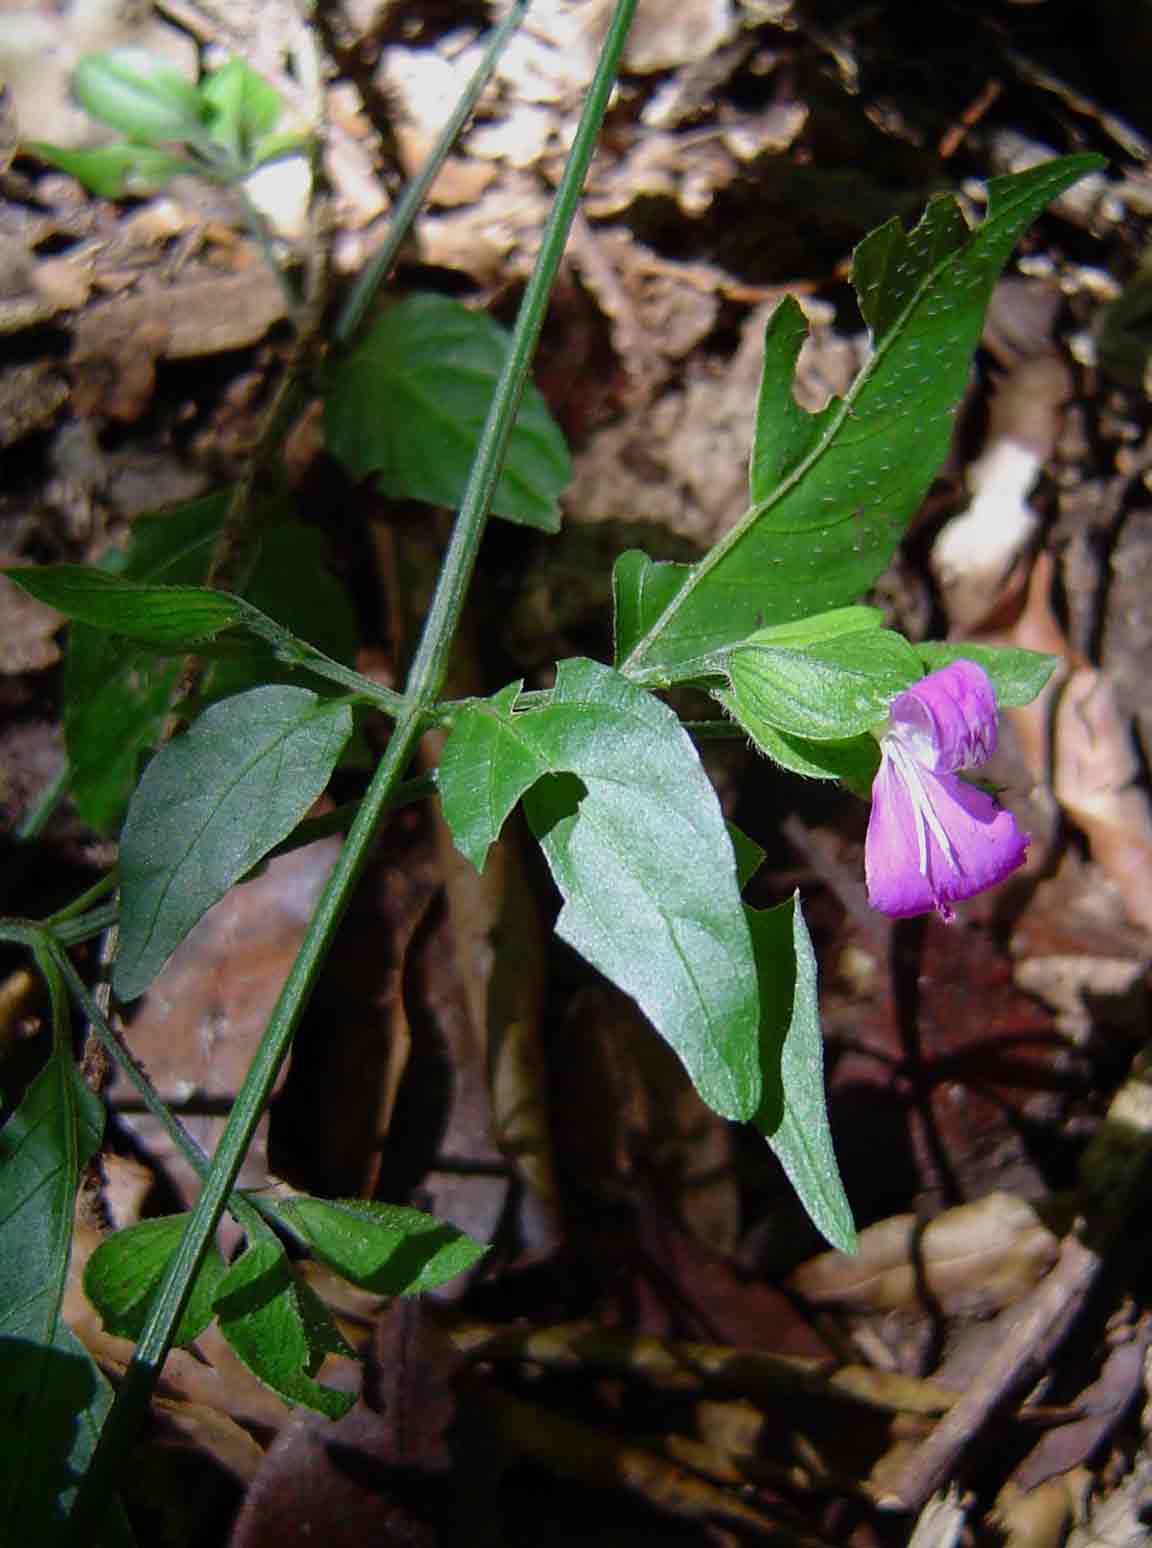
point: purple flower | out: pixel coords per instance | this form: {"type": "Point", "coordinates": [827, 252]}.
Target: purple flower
{"type": "Point", "coordinates": [933, 839]}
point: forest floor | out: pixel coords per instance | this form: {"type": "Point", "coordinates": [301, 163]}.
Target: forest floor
{"type": "Point", "coordinates": [657, 1348]}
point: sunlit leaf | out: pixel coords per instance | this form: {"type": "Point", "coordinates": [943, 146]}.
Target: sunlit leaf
{"type": "Point", "coordinates": [241, 107]}
{"type": "Point", "coordinates": [1017, 675]}
{"type": "Point", "coordinates": [633, 833]}
{"type": "Point", "coordinates": [382, 1247]}
{"type": "Point", "coordinates": [113, 171]}
{"type": "Point", "coordinates": [793, 1115]}
{"type": "Point", "coordinates": [125, 1271]}
{"type": "Point", "coordinates": [138, 93]}
{"type": "Point", "coordinates": [279, 1328]}
{"type": "Point", "coordinates": [831, 491]}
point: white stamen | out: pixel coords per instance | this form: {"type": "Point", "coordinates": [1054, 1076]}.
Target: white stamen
{"type": "Point", "coordinates": [925, 813]}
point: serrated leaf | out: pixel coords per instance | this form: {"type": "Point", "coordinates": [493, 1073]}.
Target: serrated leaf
{"type": "Point", "coordinates": [125, 1271]}
{"type": "Point", "coordinates": [793, 1114]}
{"type": "Point", "coordinates": [832, 491]}
{"type": "Point", "coordinates": [384, 1248]}
{"type": "Point", "coordinates": [409, 402]}
{"type": "Point", "coordinates": [1017, 675]}
{"type": "Point", "coordinates": [830, 691]}
{"type": "Point", "coordinates": [113, 171]}
{"type": "Point", "coordinates": [241, 107]}
{"type": "Point", "coordinates": [53, 1398]}
{"type": "Point", "coordinates": [138, 93]}
{"type": "Point", "coordinates": [166, 617]}
{"type": "Point", "coordinates": [636, 842]}
{"type": "Point", "coordinates": [279, 1328]}
{"type": "Point", "coordinates": [210, 805]}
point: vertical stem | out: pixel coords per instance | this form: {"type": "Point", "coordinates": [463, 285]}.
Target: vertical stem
{"type": "Point", "coordinates": [412, 199]}
{"type": "Point", "coordinates": [424, 681]}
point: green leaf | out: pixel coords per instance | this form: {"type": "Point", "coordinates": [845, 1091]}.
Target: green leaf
{"type": "Point", "coordinates": [820, 627]}
{"type": "Point", "coordinates": [832, 491]}
{"type": "Point", "coordinates": [749, 855]}
{"type": "Point", "coordinates": [210, 805]}
{"type": "Point", "coordinates": [642, 589]}
{"type": "Point", "coordinates": [275, 147]}
{"type": "Point", "coordinates": [831, 691]}
{"type": "Point", "coordinates": [409, 402]}
{"type": "Point", "coordinates": [633, 833]}
{"type": "Point", "coordinates": [240, 107]}
{"type": "Point", "coordinates": [854, 762]}
{"type": "Point", "coordinates": [125, 1271]}
{"type": "Point", "coordinates": [793, 1115]}
{"type": "Point", "coordinates": [139, 94]}
{"type": "Point", "coordinates": [1017, 675]}
{"type": "Point", "coordinates": [116, 698]}
{"type": "Point", "coordinates": [382, 1247]}
{"type": "Point", "coordinates": [117, 693]}
{"type": "Point", "coordinates": [279, 1328]}
{"type": "Point", "coordinates": [53, 1398]}
{"type": "Point", "coordinates": [112, 171]}
{"type": "Point", "coordinates": [291, 583]}
{"type": "Point", "coordinates": [166, 617]}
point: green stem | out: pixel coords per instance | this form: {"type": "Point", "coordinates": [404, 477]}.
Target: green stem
{"type": "Point", "coordinates": [431, 659]}
{"type": "Point", "coordinates": [411, 201]}
{"type": "Point", "coordinates": [50, 797]}
{"type": "Point", "coordinates": [244, 1212]}
{"type": "Point", "coordinates": [423, 684]}
{"type": "Point", "coordinates": [86, 900]}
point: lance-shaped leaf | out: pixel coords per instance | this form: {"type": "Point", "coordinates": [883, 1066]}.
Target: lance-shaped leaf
{"type": "Point", "coordinates": [210, 805]}
{"type": "Point", "coordinates": [280, 1328]}
{"type": "Point", "coordinates": [633, 833]}
{"type": "Point", "coordinates": [792, 1115]}
{"type": "Point", "coordinates": [53, 1398]}
{"type": "Point", "coordinates": [832, 491]}
{"type": "Point", "coordinates": [167, 617]}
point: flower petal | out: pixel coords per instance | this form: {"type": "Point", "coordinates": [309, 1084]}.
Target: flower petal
{"type": "Point", "coordinates": [934, 840]}
{"type": "Point", "coordinates": [948, 719]}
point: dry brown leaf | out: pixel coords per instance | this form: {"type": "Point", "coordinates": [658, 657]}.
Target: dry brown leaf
{"type": "Point", "coordinates": [1040, 1518]}
{"type": "Point", "coordinates": [198, 1026]}
{"type": "Point", "coordinates": [680, 1365]}
{"type": "Point", "coordinates": [118, 342]}
{"type": "Point", "coordinates": [1099, 782]}
{"type": "Point", "coordinates": [977, 1257]}
{"type": "Point", "coordinates": [527, 1432]}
